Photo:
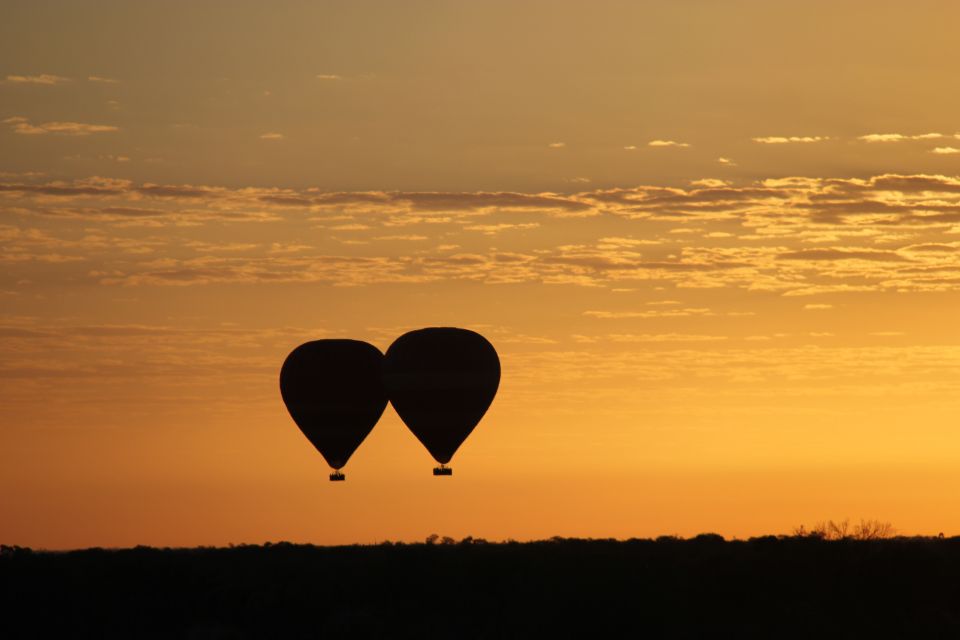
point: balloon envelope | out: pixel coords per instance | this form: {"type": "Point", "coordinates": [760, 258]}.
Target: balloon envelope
{"type": "Point", "coordinates": [441, 381]}
{"type": "Point", "coordinates": [334, 392]}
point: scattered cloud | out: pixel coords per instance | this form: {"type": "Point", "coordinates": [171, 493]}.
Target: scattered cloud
{"type": "Point", "coordinates": [793, 236]}
{"type": "Point", "coordinates": [102, 80]}
{"type": "Point", "coordinates": [842, 254]}
{"type": "Point", "coordinates": [43, 78]}
{"type": "Point", "coordinates": [656, 313]}
{"type": "Point", "coordinates": [663, 337]}
{"type": "Point", "coordinates": [667, 143]}
{"type": "Point", "coordinates": [23, 126]}
{"type": "Point", "coordinates": [272, 136]}
{"type": "Point", "coordinates": [790, 139]}
{"type": "Point", "coordinates": [726, 161]}
{"type": "Point", "coordinates": [898, 137]}
{"type": "Point", "coordinates": [943, 151]}
{"type": "Point", "coordinates": [491, 229]}
{"type": "Point", "coordinates": [405, 238]}
{"type": "Point", "coordinates": [709, 183]}
{"type": "Point", "coordinates": [557, 145]}
{"type": "Point", "coordinates": [22, 174]}
{"type": "Point", "coordinates": [631, 147]}
{"type": "Point", "coordinates": [328, 76]}
{"type": "Point", "coordinates": [353, 226]}
{"type": "Point", "coordinates": [817, 306]}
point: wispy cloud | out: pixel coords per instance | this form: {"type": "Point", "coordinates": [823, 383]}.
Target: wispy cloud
{"type": "Point", "coordinates": [790, 139]}
{"type": "Point", "coordinates": [662, 337]}
{"type": "Point", "coordinates": [43, 78]}
{"type": "Point", "coordinates": [945, 151]}
{"type": "Point", "coordinates": [557, 145]}
{"type": "Point", "coordinates": [493, 229]}
{"type": "Point", "coordinates": [328, 76]}
{"type": "Point", "coordinates": [667, 143]}
{"type": "Point", "coordinates": [23, 126]}
{"type": "Point", "coordinates": [710, 183]}
{"type": "Point", "coordinates": [103, 80]}
{"type": "Point", "coordinates": [403, 238]}
{"type": "Point", "coordinates": [898, 137]}
{"type": "Point", "coordinates": [793, 236]}
{"type": "Point", "coordinates": [655, 313]}
{"type": "Point", "coordinates": [726, 162]}
{"type": "Point", "coordinates": [272, 136]}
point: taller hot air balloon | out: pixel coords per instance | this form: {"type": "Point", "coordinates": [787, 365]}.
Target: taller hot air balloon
{"type": "Point", "coordinates": [334, 391]}
{"type": "Point", "coordinates": [441, 381]}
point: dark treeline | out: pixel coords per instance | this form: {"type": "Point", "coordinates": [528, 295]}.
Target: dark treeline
{"type": "Point", "coordinates": [701, 587]}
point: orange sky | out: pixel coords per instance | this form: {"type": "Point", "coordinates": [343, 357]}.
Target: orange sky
{"type": "Point", "coordinates": [716, 244]}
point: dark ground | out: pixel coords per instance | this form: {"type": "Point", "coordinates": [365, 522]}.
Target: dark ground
{"type": "Point", "coordinates": [704, 587]}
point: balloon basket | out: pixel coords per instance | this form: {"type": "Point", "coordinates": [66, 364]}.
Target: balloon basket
{"type": "Point", "coordinates": [442, 471]}
{"type": "Point", "coordinates": [336, 476]}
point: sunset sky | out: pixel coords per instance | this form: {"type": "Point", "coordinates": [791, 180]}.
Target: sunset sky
{"type": "Point", "coordinates": [715, 243]}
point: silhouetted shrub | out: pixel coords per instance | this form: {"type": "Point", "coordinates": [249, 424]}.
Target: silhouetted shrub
{"type": "Point", "coordinates": [709, 537]}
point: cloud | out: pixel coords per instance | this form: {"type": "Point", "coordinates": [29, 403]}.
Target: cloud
{"type": "Point", "coordinates": [817, 306]}
{"type": "Point", "coordinates": [898, 137]}
{"type": "Point", "coordinates": [631, 147]}
{"type": "Point", "coordinates": [791, 236]}
{"type": "Point", "coordinates": [709, 183]}
{"type": "Point", "coordinates": [726, 161]}
{"type": "Point", "coordinates": [328, 76]}
{"type": "Point", "coordinates": [272, 136]}
{"type": "Point", "coordinates": [663, 337]}
{"type": "Point", "coordinates": [790, 139]}
{"type": "Point", "coordinates": [945, 150]}
{"type": "Point", "coordinates": [842, 254]}
{"type": "Point", "coordinates": [404, 238]}
{"type": "Point", "coordinates": [395, 208]}
{"type": "Point", "coordinates": [102, 80]}
{"type": "Point", "coordinates": [667, 143]}
{"type": "Point", "coordinates": [557, 145]}
{"type": "Point", "coordinates": [492, 229]}
{"type": "Point", "coordinates": [656, 313]}
{"type": "Point", "coordinates": [22, 126]}
{"type": "Point", "coordinates": [43, 78]}
{"type": "Point", "coordinates": [354, 226]}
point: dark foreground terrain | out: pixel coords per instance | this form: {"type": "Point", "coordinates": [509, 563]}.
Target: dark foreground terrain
{"type": "Point", "coordinates": [703, 587]}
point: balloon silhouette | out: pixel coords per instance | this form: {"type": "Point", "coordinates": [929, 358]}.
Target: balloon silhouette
{"type": "Point", "coordinates": [441, 381]}
{"type": "Point", "coordinates": [334, 392]}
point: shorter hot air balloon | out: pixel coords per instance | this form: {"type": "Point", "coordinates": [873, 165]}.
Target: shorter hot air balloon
{"type": "Point", "coordinates": [441, 381]}
{"type": "Point", "coordinates": [334, 392]}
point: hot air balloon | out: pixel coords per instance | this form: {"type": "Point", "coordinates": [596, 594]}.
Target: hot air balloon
{"type": "Point", "coordinates": [334, 392]}
{"type": "Point", "coordinates": [441, 381]}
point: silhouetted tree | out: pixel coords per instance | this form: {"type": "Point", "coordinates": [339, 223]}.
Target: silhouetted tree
{"type": "Point", "coordinates": [867, 529]}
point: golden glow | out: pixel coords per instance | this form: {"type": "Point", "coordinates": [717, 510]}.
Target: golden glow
{"type": "Point", "coordinates": [717, 246]}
